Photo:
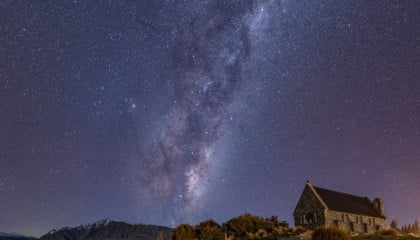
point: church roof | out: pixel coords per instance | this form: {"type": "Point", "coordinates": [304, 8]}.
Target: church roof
{"type": "Point", "coordinates": [343, 202]}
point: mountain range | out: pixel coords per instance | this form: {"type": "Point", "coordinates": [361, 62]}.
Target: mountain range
{"type": "Point", "coordinates": [101, 230]}
{"type": "Point", "coordinates": [14, 236]}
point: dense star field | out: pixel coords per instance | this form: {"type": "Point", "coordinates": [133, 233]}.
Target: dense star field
{"type": "Point", "coordinates": [169, 112]}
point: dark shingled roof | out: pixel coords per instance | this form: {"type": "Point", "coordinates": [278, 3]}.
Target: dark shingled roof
{"type": "Point", "coordinates": [343, 202]}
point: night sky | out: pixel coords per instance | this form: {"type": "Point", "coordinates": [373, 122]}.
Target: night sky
{"type": "Point", "coordinates": [169, 112]}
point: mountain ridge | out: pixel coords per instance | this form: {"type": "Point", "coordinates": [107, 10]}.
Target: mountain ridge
{"type": "Point", "coordinates": [103, 229]}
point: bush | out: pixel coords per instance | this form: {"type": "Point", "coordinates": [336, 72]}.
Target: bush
{"type": "Point", "coordinates": [331, 233]}
{"type": "Point", "coordinates": [183, 232]}
{"type": "Point", "coordinates": [298, 230]}
{"type": "Point", "coordinates": [389, 232]}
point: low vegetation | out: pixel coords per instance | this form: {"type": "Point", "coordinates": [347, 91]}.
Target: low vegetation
{"type": "Point", "coordinates": [384, 237]}
{"type": "Point", "coordinates": [392, 233]}
{"type": "Point", "coordinates": [389, 232]}
{"type": "Point", "coordinates": [406, 232]}
{"type": "Point", "coordinates": [251, 227]}
{"type": "Point", "coordinates": [331, 233]}
{"type": "Point", "coordinates": [246, 226]}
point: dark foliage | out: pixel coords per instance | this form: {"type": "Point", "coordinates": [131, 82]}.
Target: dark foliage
{"type": "Point", "coordinates": [331, 233]}
{"type": "Point", "coordinates": [389, 232]}
{"type": "Point", "coordinates": [246, 226]}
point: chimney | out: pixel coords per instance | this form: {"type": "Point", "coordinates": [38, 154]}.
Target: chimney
{"type": "Point", "coordinates": [378, 205]}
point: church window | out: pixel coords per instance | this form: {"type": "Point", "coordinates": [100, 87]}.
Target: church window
{"type": "Point", "coordinates": [365, 228]}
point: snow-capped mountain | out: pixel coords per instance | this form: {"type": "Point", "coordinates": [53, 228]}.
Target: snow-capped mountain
{"type": "Point", "coordinates": [108, 229]}
{"type": "Point", "coordinates": [98, 224]}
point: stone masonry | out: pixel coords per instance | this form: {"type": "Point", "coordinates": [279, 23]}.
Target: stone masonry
{"type": "Point", "coordinates": [322, 207]}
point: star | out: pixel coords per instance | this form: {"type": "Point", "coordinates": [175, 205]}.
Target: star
{"type": "Point", "coordinates": [171, 112]}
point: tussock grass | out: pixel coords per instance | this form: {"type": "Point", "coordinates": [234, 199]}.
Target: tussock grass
{"type": "Point", "coordinates": [384, 237]}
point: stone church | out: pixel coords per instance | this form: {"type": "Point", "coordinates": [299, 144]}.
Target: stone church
{"type": "Point", "coordinates": [323, 207]}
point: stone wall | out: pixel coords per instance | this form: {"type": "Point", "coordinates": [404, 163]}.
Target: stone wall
{"type": "Point", "coordinates": [309, 211]}
{"type": "Point", "coordinates": [353, 223]}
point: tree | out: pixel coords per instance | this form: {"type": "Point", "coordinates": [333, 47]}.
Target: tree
{"type": "Point", "coordinates": [209, 230]}
{"type": "Point", "coordinates": [394, 224]}
{"type": "Point", "coordinates": [240, 226]}
{"type": "Point", "coordinates": [283, 224]}
{"type": "Point", "coordinates": [274, 219]}
{"type": "Point", "coordinates": [404, 229]}
{"type": "Point", "coordinates": [247, 225]}
{"type": "Point", "coordinates": [416, 227]}
{"type": "Point", "coordinates": [183, 232]}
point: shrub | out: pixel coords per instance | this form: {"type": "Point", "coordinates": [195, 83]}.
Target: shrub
{"type": "Point", "coordinates": [331, 233]}
{"type": "Point", "coordinates": [389, 232]}
{"type": "Point", "coordinates": [261, 233]}
{"type": "Point", "coordinates": [298, 230]}
{"type": "Point", "coordinates": [183, 232]}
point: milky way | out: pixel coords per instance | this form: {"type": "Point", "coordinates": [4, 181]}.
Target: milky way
{"type": "Point", "coordinates": [208, 62]}
{"type": "Point", "coordinates": [170, 112]}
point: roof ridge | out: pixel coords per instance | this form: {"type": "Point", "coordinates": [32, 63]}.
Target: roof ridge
{"type": "Point", "coordinates": [348, 194]}
{"type": "Point", "coordinates": [346, 202]}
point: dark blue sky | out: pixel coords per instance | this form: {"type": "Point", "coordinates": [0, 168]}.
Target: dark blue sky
{"type": "Point", "coordinates": [166, 112]}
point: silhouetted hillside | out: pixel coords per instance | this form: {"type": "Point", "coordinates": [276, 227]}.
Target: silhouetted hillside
{"type": "Point", "coordinates": [107, 229]}
{"type": "Point", "coordinates": [14, 236]}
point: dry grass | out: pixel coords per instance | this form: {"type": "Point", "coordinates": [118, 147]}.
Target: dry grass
{"type": "Point", "coordinates": [384, 237]}
{"type": "Point", "coordinates": [331, 233]}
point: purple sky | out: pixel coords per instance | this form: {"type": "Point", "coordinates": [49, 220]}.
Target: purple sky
{"type": "Point", "coordinates": [169, 112]}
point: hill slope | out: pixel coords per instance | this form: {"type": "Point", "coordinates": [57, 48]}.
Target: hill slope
{"type": "Point", "coordinates": [107, 229]}
{"type": "Point", "coordinates": [14, 236]}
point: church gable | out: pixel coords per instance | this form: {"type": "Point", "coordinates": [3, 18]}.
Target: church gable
{"type": "Point", "coordinates": [309, 211]}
